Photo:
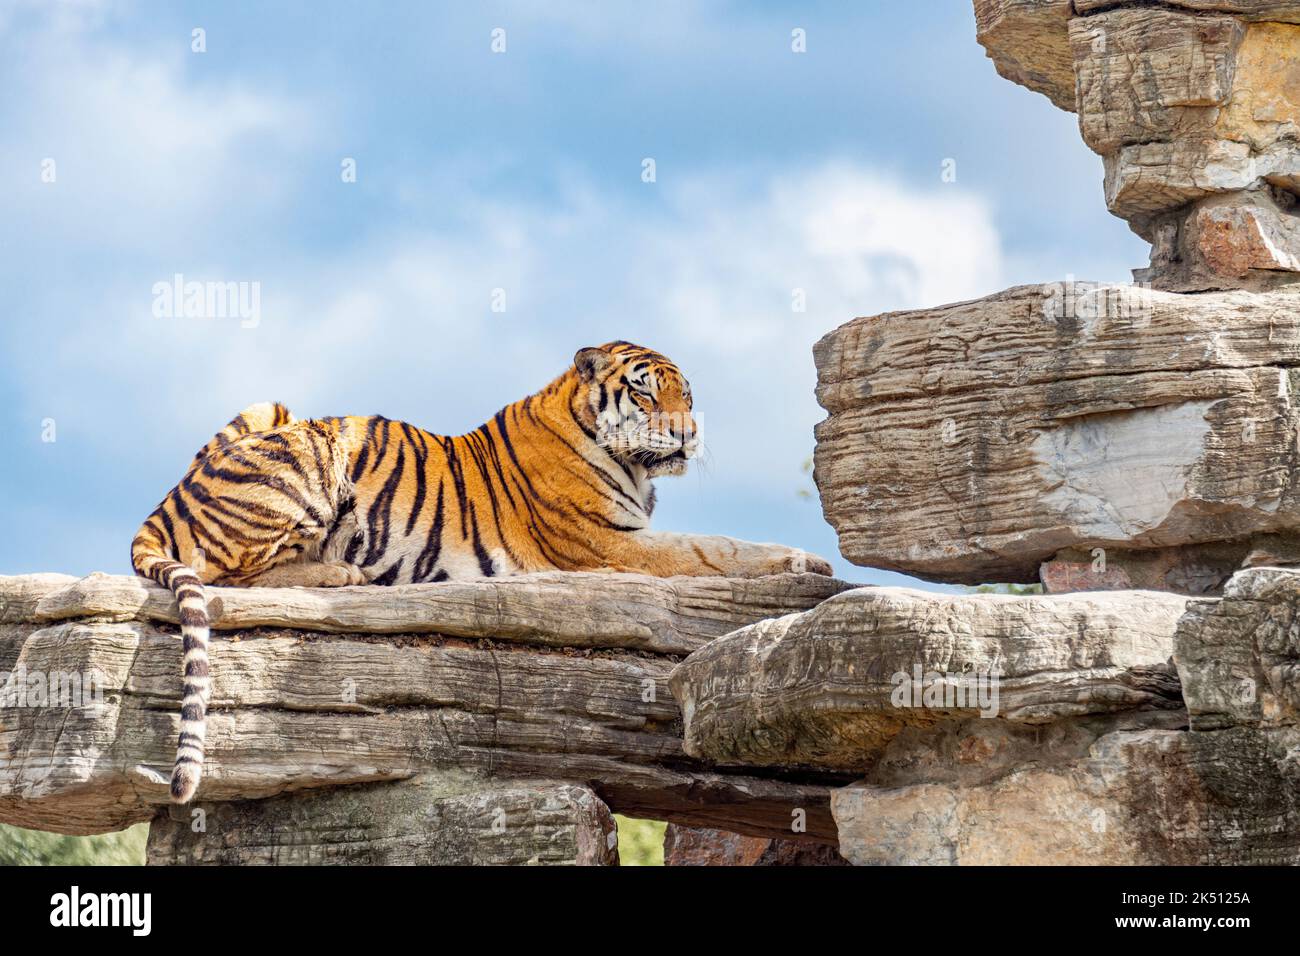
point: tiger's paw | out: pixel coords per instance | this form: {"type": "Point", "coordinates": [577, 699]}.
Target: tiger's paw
{"type": "Point", "coordinates": [341, 575]}
{"type": "Point", "coordinates": [794, 561]}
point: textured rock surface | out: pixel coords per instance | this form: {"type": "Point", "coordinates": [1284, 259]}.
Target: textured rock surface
{"type": "Point", "coordinates": [293, 709]}
{"type": "Point", "coordinates": [1182, 107]}
{"type": "Point", "coordinates": [827, 687]}
{"type": "Point", "coordinates": [690, 846]}
{"type": "Point", "coordinates": [1185, 101]}
{"type": "Point", "coordinates": [1138, 797]}
{"type": "Point", "coordinates": [1135, 787]}
{"type": "Point", "coordinates": [969, 443]}
{"type": "Point", "coordinates": [1086, 756]}
{"type": "Point", "coordinates": [665, 615]}
{"type": "Point", "coordinates": [1236, 240]}
{"type": "Point", "coordinates": [446, 819]}
{"type": "Point", "coordinates": [1240, 657]}
{"type": "Point", "coordinates": [1286, 11]}
{"type": "Point", "coordinates": [1153, 74]}
{"type": "Point", "coordinates": [1028, 42]}
{"type": "Point", "coordinates": [1192, 569]}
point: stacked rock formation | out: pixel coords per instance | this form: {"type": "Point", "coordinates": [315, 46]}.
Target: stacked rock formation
{"type": "Point", "coordinates": [1138, 440]}
{"type": "Point", "coordinates": [997, 729]}
{"type": "Point", "coordinates": [1192, 105]}
{"type": "Point", "coordinates": [489, 722]}
{"type": "Point", "coordinates": [1089, 435]}
{"type": "Point", "coordinates": [1135, 444]}
{"type": "Point", "coordinates": [1131, 447]}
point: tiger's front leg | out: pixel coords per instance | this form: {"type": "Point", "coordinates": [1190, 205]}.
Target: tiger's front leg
{"type": "Point", "coordinates": [666, 553]}
{"type": "Point", "coordinates": [307, 574]}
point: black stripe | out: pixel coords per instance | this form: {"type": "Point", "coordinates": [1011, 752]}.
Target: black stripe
{"type": "Point", "coordinates": [345, 508]}
{"type": "Point", "coordinates": [360, 465]}
{"type": "Point", "coordinates": [428, 558]}
{"type": "Point", "coordinates": [484, 562]}
{"type": "Point", "coordinates": [372, 428]}
{"type": "Point", "coordinates": [193, 617]}
{"type": "Point", "coordinates": [458, 480]}
{"type": "Point", "coordinates": [379, 517]}
{"type": "Point", "coordinates": [389, 576]}
{"type": "Point", "coordinates": [420, 449]}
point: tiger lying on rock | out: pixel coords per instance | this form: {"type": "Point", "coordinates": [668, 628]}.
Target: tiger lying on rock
{"type": "Point", "coordinates": [558, 480]}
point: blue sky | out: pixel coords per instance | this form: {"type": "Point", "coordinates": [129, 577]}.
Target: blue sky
{"type": "Point", "coordinates": [477, 171]}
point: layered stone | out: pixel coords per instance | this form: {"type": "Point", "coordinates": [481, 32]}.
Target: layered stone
{"type": "Point", "coordinates": [837, 686]}
{"type": "Point", "coordinates": [975, 441]}
{"type": "Point", "coordinates": [1224, 792]}
{"type": "Point", "coordinates": [1240, 656]}
{"type": "Point", "coordinates": [1081, 754]}
{"type": "Point", "coordinates": [1186, 102]}
{"type": "Point", "coordinates": [503, 682]}
{"type": "Point", "coordinates": [446, 818]}
{"type": "Point", "coordinates": [1145, 797]}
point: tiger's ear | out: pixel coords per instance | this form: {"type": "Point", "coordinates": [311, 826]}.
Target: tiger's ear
{"type": "Point", "coordinates": [590, 362]}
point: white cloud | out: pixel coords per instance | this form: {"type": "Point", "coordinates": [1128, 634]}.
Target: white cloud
{"type": "Point", "coordinates": [142, 147]}
{"type": "Point", "coordinates": [55, 15]}
{"type": "Point", "coordinates": [855, 242]}
{"type": "Point", "coordinates": [701, 265]}
{"type": "Point", "coordinates": [164, 168]}
{"type": "Point", "coordinates": [403, 326]}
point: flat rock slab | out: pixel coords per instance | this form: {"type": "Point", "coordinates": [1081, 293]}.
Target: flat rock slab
{"type": "Point", "coordinates": [560, 609]}
{"type": "Point", "coordinates": [87, 735]}
{"type": "Point", "coordinates": [834, 686]}
{"type": "Point", "coordinates": [1153, 797]}
{"type": "Point", "coordinates": [971, 442]}
{"type": "Point", "coordinates": [1239, 657]}
{"type": "Point", "coordinates": [447, 819]}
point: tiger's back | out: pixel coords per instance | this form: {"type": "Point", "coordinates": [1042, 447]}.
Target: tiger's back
{"type": "Point", "coordinates": [558, 480]}
{"type": "Point", "coordinates": [388, 502]}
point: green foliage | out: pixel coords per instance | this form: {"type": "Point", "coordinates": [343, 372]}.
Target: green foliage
{"type": "Point", "coordinates": [640, 842]}
{"type": "Point", "coordinates": [1007, 589]}
{"type": "Point", "coordinates": [34, 848]}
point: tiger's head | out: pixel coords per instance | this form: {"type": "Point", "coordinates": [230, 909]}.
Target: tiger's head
{"type": "Point", "coordinates": [638, 404]}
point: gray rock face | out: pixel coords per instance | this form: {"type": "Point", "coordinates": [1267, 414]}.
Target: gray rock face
{"type": "Point", "coordinates": [439, 819]}
{"type": "Point", "coordinates": [1154, 797]}
{"type": "Point", "coordinates": [1086, 756]}
{"type": "Point", "coordinates": [834, 686]}
{"type": "Point", "coordinates": [513, 680]}
{"type": "Point", "coordinates": [1240, 656]}
{"type": "Point", "coordinates": [1028, 41]}
{"type": "Point", "coordinates": [971, 442]}
{"type": "Point", "coordinates": [562, 609]}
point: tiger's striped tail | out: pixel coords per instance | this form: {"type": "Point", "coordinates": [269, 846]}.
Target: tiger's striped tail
{"type": "Point", "coordinates": [153, 555]}
{"type": "Point", "coordinates": [184, 583]}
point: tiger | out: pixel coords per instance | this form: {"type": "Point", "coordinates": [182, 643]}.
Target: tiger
{"type": "Point", "coordinates": [559, 480]}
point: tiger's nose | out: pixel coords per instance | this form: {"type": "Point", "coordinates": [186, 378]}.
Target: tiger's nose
{"type": "Point", "coordinates": [682, 428]}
